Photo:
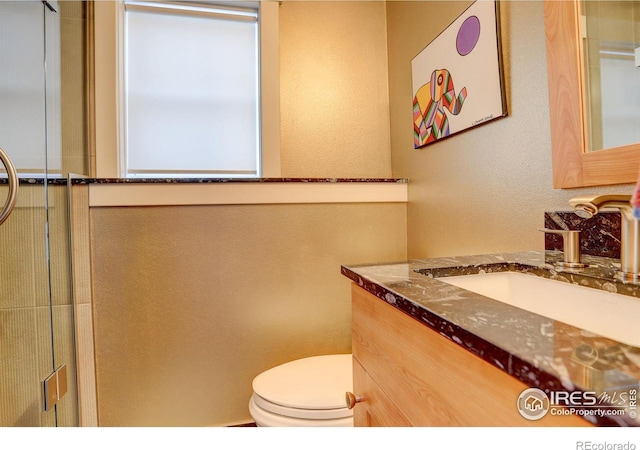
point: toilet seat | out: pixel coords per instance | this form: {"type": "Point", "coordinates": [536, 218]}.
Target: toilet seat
{"type": "Point", "coordinates": [264, 418]}
{"type": "Point", "coordinates": [305, 392]}
{"type": "Point", "coordinates": [301, 413]}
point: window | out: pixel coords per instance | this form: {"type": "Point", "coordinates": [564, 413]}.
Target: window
{"type": "Point", "coordinates": [191, 90]}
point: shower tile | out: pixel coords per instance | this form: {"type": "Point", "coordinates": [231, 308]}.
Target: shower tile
{"type": "Point", "coordinates": [43, 350]}
{"type": "Point", "coordinates": [80, 244]}
{"type": "Point", "coordinates": [64, 352]}
{"type": "Point", "coordinates": [80, 258]}
{"type": "Point", "coordinates": [59, 245]}
{"type": "Point", "coordinates": [20, 387]}
{"type": "Point", "coordinates": [23, 267]}
{"type": "Point", "coordinates": [75, 10]}
{"type": "Point", "coordinates": [73, 84]}
{"type": "Point", "coordinates": [86, 367]}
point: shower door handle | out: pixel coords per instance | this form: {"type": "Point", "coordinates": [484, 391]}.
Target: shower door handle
{"type": "Point", "coordinates": [13, 186]}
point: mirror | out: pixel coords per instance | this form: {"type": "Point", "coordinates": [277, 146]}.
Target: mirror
{"type": "Point", "coordinates": [573, 165]}
{"type": "Point", "coordinates": [610, 37]}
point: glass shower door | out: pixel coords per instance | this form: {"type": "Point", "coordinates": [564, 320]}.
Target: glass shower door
{"type": "Point", "coordinates": [36, 320]}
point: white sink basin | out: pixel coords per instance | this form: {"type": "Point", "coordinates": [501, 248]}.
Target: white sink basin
{"type": "Point", "coordinates": [610, 315]}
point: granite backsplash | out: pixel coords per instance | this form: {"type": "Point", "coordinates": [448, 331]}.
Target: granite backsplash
{"type": "Point", "coordinates": [599, 235]}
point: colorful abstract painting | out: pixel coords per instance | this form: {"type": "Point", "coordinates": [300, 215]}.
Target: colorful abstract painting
{"type": "Point", "coordinates": [457, 78]}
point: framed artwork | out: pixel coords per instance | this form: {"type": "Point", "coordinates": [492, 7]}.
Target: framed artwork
{"type": "Point", "coordinates": [457, 78]}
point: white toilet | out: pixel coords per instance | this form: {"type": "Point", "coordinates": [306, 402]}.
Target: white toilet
{"type": "Point", "coordinates": [308, 392]}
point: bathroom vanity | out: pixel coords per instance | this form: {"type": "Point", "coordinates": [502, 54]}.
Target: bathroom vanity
{"type": "Point", "coordinates": [428, 353]}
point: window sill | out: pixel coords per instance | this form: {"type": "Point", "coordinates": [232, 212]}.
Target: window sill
{"type": "Point", "coordinates": [188, 191]}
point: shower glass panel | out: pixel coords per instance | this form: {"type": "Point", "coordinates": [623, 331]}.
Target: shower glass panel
{"type": "Point", "coordinates": [36, 315]}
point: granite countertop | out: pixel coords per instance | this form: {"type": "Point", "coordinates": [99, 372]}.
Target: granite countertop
{"type": "Point", "coordinates": [25, 181]}
{"type": "Point", "coordinates": [539, 351]}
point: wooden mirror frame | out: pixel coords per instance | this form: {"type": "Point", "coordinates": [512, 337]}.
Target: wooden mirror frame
{"type": "Point", "coordinates": [573, 166]}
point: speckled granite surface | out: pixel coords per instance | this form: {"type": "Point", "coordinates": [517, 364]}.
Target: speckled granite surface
{"type": "Point", "coordinates": [81, 180]}
{"type": "Point", "coordinates": [77, 179]}
{"type": "Point", "coordinates": [537, 350]}
{"type": "Point", "coordinates": [599, 235]}
{"type": "Point", "coordinates": [31, 181]}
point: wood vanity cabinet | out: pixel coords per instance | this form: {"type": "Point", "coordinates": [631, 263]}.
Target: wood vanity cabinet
{"type": "Point", "coordinates": [409, 375]}
{"type": "Point", "coordinates": [378, 410]}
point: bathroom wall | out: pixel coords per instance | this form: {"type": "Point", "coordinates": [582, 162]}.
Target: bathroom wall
{"type": "Point", "coordinates": [484, 190]}
{"type": "Point", "coordinates": [263, 280]}
{"type": "Point", "coordinates": [334, 89]}
{"type": "Point", "coordinates": [191, 302]}
{"type": "Point", "coordinates": [74, 102]}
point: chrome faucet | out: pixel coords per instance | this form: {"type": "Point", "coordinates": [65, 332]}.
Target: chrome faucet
{"type": "Point", "coordinates": [588, 206]}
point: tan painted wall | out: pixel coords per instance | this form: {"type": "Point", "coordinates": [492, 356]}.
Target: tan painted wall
{"type": "Point", "coordinates": [74, 103]}
{"type": "Point", "coordinates": [334, 91]}
{"type": "Point", "coordinates": [264, 283]}
{"type": "Point", "coordinates": [193, 302]}
{"type": "Point", "coordinates": [486, 189]}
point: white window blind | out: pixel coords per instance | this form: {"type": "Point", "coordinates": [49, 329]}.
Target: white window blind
{"type": "Point", "coordinates": [191, 91]}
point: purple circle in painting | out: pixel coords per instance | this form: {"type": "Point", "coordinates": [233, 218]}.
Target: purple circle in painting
{"type": "Point", "coordinates": [468, 35]}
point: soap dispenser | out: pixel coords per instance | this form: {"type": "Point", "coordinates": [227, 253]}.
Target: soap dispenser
{"type": "Point", "coordinates": [570, 248]}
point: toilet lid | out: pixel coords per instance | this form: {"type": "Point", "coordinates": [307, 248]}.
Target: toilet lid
{"type": "Point", "coordinates": [315, 383]}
